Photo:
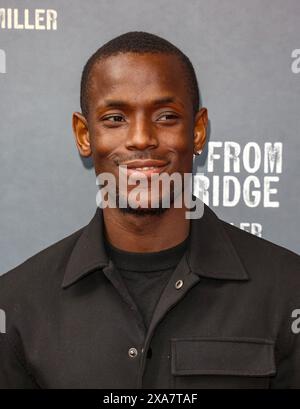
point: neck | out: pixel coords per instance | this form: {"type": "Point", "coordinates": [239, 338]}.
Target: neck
{"type": "Point", "coordinates": [149, 233]}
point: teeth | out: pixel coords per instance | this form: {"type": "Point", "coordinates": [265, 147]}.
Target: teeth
{"type": "Point", "coordinates": [146, 168]}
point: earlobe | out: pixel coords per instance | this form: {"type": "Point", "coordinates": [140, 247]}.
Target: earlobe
{"type": "Point", "coordinates": [81, 134]}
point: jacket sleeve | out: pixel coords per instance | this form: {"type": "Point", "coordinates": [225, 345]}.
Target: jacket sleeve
{"type": "Point", "coordinates": [13, 370]}
{"type": "Point", "coordinates": [288, 346]}
{"type": "Point", "coordinates": [13, 373]}
{"type": "Point", "coordinates": [288, 370]}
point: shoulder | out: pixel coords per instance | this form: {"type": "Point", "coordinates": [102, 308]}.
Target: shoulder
{"type": "Point", "coordinates": [248, 245]}
{"type": "Point", "coordinates": [263, 257]}
{"type": "Point", "coordinates": [38, 271]}
{"type": "Point", "coordinates": [254, 245]}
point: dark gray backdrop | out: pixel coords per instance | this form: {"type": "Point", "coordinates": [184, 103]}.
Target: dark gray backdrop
{"type": "Point", "coordinates": [246, 55]}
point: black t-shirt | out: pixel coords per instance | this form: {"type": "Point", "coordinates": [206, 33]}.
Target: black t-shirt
{"type": "Point", "coordinates": [146, 274]}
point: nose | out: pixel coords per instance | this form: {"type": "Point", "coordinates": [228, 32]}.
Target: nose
{"type": "Point", "coordinates": [141, 135]}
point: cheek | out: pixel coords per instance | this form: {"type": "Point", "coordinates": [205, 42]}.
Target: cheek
{"type": "Point", "coordinates": [103, 144]}
{"type": "Point", "coordinates": [182, 146]}
{"type": "Point", "coordinates": [181, 140]}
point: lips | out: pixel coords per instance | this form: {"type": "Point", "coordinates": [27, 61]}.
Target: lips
{"type": "Point", "coordinates": [146, 166]}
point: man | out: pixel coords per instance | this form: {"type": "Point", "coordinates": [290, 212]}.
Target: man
{"type": "Point", "coordinates": [143, 296]}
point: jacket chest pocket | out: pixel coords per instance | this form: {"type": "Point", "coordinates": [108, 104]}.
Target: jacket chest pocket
{"type": "Point", "coordinates": [221, 362]}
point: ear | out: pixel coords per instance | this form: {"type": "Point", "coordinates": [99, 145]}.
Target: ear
{"type": "Point", "coordinates": [201, 121]}
{"type": "Point", "coordinates": [81, 133]}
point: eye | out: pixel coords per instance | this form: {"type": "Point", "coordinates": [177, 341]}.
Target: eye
{"type": "Point", "coordinates": [113, 118]}
{"type": "Point", "coordinates": [167, 116]}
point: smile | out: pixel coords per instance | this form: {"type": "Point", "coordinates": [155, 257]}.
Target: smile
{"type": "Point", "coordinates": [147, 166]}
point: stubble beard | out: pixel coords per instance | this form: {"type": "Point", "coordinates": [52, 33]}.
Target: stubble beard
{"type": "Point", "coordinates": [145, 211]}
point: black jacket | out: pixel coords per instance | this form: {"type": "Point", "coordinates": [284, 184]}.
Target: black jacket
{"type": "Point", "coordinates": [228, 324]}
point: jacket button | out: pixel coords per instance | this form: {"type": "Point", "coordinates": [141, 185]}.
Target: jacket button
{"type": "Point", "coordinates": [132, 352]}
{"type": "Point", "coordinates": [178, 284]}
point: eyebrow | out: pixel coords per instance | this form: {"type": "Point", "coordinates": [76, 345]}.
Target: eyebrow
{"type": "Point", "coordinates": [110, 103]}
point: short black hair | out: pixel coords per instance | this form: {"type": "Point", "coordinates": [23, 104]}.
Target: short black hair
{"type": "Point", "coordinates": [138, 42]}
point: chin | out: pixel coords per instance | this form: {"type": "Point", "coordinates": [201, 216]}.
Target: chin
{"type": "Point", "coordinates": [145, 208]}
{"type": "Point", "coordinates": [143, 211]}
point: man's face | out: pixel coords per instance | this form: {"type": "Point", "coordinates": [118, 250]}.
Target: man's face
{"type": "Point", "coordinates": [140, 115]}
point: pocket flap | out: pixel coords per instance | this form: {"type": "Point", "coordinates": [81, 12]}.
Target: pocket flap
{"type": "Point", "coordinates": [222, 356]}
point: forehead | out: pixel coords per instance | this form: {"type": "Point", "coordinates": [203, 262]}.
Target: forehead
{"type": "Point", "coordinates": [138, 77]}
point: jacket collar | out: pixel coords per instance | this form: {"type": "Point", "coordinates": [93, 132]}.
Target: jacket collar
{"type": "Point", "coordinates": [211, 253]}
